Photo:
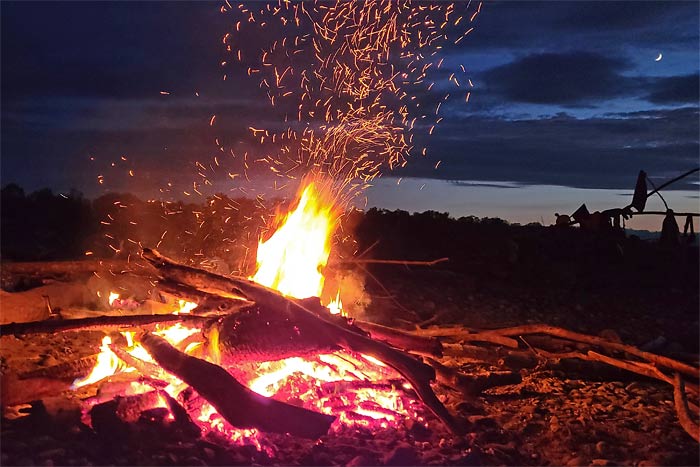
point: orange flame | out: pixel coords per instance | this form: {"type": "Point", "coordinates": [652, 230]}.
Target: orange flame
{"type": "Point", "coordinates": [106, 365]}
{"type": "Point", "coordinates": [292, 260]}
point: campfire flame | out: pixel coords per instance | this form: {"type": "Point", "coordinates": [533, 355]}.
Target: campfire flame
{"type": "Point", "coordinates": [106, 365]}
{"type": "Point", "coordinates": [291, 261]}
{"type": "Point", "coordinates": [358, 389]}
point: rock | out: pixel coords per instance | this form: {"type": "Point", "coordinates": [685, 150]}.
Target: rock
{"type": "Point", "coordinates": [576, 461]}
{"type": "Point", "coordinates": [362, 460]}
{"type": "Point", "coordinates": [610, 335]}
{"type": "Point", "coordinates": [483, 422]}
{"type": "Point", "coordinates": [601, 462]}
{"type": "Point", "coordinates": [601, 447]}
{"type": "Point", "coordinates": [403, 454]}
{"type": "Point", "coordinates": [633, 386]}
{"type": "Point", "coordinates": [52, 454]}
{"type": "Point", "coordinates": [554, 424]}
{"type": "Point", "coordinates": [194, 461]}
{"type": "Point", "coordinates": [209, 454]}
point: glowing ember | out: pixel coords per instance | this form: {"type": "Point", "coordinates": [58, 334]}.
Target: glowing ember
{"type": "Point", "coordinates": [185, 307]}
{"type": "Point", "coordinates": [291, 261]}
{"type": "Point", "coordinates": [176, 333]}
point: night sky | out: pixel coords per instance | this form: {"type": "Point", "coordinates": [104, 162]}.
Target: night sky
{"type": "Point", "coordinates": [570, 100]}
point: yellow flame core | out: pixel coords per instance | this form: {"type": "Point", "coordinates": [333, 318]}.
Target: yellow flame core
{"type": "Point", "coordinates": [292, 260]}
{"type": "Point", "coordinates": [112, 297]}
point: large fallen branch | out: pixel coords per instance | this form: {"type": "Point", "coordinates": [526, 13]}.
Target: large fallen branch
{"type": "Point", "coordinates": [99, 323]}
{"type": "Point", "coordinates": [401, 339]}
{"type": "Point", "coordinates": [240, 406]}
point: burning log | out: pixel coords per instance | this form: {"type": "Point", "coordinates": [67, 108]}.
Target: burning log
{"type": "Point", "coordinates": [237, 404]}
{"type": "Point", "coordinates": [206, 303]}
{"type": "Point", "coordinates": [66, 370]}
{"type": "Point", "coordinates": [261, 334]}
{"type": "Point", "coordinates": [315, 325]}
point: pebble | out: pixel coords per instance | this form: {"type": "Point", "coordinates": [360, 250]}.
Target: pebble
{"type": "Point", "coordinates": [52, 453]}
{"type": "Point", "coordinates": [554, 424]}
{"type": "Point", "coordinates": [209, 453]}
{"type": "Point", "coordinates": [403, 454]}
{"type": "Point", "coordinates": [361, 461]}
{"type": "Point", "coordinates": [601, 447]}
{"type": "Point", "coordinates": [576, 461]}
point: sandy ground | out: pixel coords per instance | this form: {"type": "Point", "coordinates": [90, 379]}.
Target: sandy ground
{"type": "Point", "coordinates": [559, 416]}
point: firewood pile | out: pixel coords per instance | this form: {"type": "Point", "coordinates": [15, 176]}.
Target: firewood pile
{"type": "Point", "coordinates": [397, 397]}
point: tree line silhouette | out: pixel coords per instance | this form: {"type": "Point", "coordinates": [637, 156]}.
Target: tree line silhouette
{"type": "Point", "coordinates": [221, 233]}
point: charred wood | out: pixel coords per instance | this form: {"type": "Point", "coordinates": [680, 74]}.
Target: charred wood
{"type": "Point", "coordinates": [206, 303]}
{"type": "Point", "coordinates": [236, 403]}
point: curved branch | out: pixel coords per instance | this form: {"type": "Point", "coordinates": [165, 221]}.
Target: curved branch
{"type": "Point", "coordinates": [681, 404]}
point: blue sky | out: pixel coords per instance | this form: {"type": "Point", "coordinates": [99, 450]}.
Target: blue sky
{"type": "Point", "coordinates": [566, 94]}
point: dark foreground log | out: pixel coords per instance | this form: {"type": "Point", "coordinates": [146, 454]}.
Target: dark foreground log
{"type": "Point", "coordinates": [416, 372]}
{"type": "Point", "coordinates": [240, 406]}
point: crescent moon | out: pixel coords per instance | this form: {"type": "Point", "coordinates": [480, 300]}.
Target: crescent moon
{"type": "Point", "coordinates": [658, 59]}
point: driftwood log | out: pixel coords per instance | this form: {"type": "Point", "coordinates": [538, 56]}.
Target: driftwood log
{"type": "Point", "coordinates": [98, 323]}
{"type": "Point", "coordinates": [240, 406]}
{"type": "Point", "coordinates": [401, 339]}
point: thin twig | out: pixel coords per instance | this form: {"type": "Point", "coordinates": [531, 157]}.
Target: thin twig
{"type": "Point", "coordinates": [396, 261]}
{"type": "Point", "coordinates": [595, 340]}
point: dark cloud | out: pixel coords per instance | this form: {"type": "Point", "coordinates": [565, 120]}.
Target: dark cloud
{"type": "Point", "coordinates": [558, 78]}
{"type": "Point", "coordinates": [586, 153]}
{"type": "Point", "coordinates": [675, 89]}
{"type": "Point", "coordinates": [622, 15]}
{"type": "Point", "coordinates": [108, 49]}
{"type": "Point", "coordinates": [527, 25]}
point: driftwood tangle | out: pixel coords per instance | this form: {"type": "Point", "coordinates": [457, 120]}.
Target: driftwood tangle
{"type": "Point", "coordinates": [415, 371]}
{"type": "Point", "coordinates": [222, 297]}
